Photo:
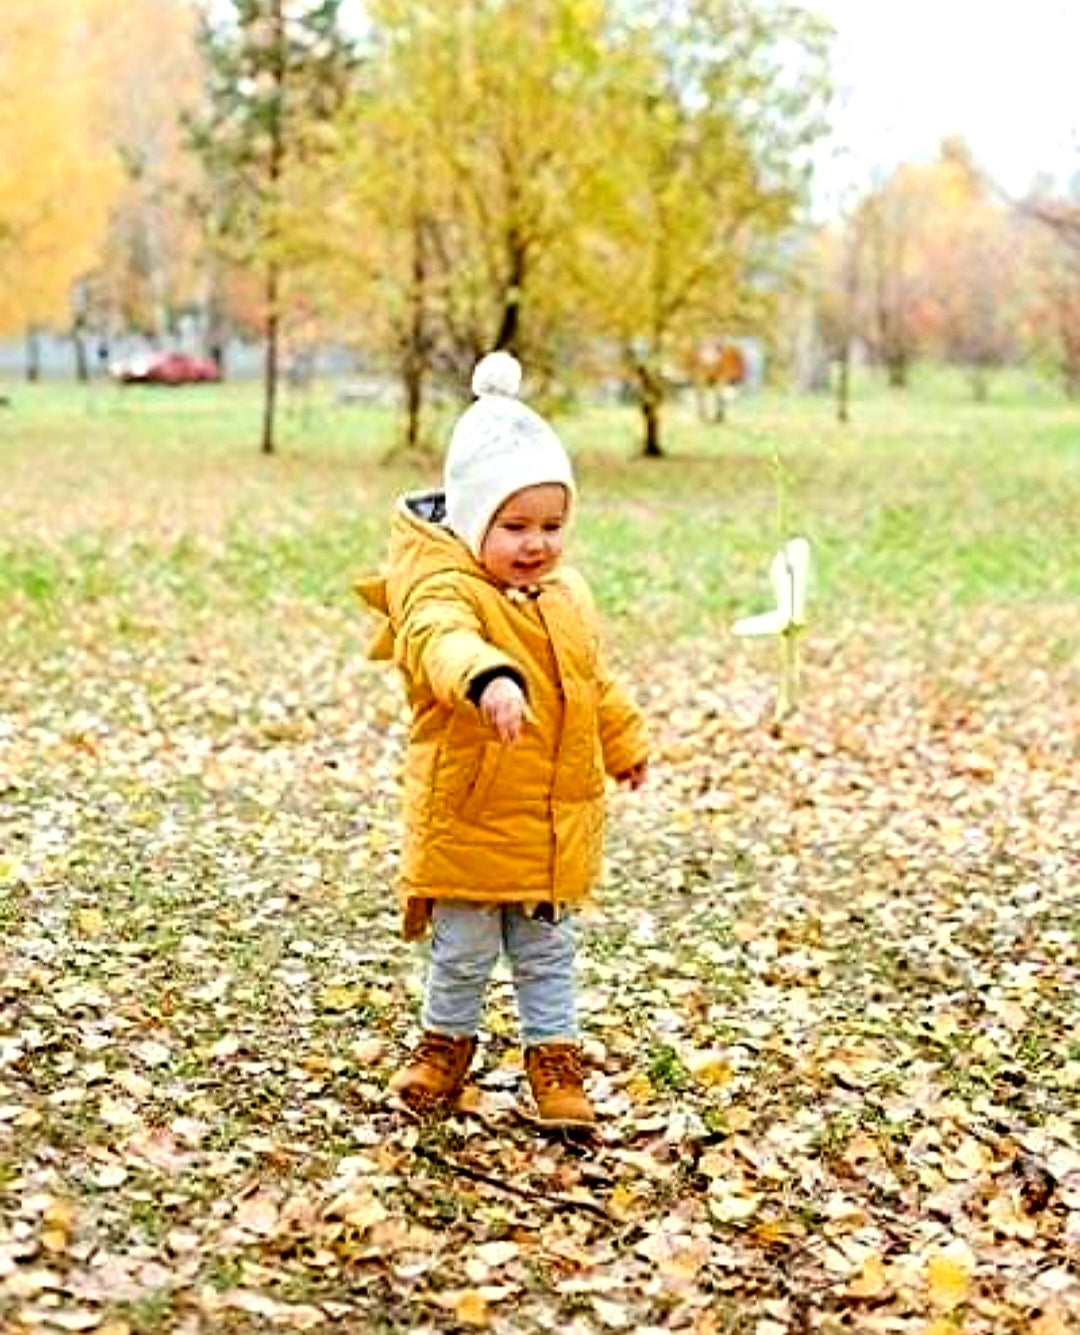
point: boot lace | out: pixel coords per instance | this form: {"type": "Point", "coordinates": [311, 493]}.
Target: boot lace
{"type": "Point", "coordinates": [440, 1051]}
{"type": "Point", "coordinates": [558, 1067]}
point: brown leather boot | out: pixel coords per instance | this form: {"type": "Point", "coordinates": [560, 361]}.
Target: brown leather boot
{"type": "Point", "coordinates": [557, 1083]}
{"type": "Point", "coordinates": [436, 1072]}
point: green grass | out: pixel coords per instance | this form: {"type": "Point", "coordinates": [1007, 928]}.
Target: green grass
{"type": "Point", "coordinates": [123, 501]}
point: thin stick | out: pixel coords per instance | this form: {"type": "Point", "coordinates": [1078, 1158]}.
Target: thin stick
{"type": "Point", "coordinates": [477, 1175]}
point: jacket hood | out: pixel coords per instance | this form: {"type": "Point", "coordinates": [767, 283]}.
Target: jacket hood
{"type": "Point", "coordinates": [420, 547]}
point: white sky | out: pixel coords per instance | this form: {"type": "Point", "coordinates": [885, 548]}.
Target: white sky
{"type": "Point", "coordinates": [1004, 74]}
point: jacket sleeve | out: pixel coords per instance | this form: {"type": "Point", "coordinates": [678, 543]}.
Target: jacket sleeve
{"type": "Point", "coordinates": [371, 590]}
{"type": "Point", "coordinates": [623, 736]}
{"type": "Point", "coordinates": [439, 641]}
{"type": "Point", "coordinates": [622, 728]}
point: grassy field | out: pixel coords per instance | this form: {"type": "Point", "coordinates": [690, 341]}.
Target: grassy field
{"type": "Point", "coordinates": [923, 507]}
{"type": "Point", "coordinates": [831, 994]}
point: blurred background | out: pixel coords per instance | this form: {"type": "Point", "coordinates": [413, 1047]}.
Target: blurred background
{"type": "Point", "coordinates": [646, 200]}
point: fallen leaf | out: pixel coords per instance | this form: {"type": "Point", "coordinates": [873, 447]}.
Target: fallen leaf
{"type": "Point", "coordinates": [258, 1214]}
{"type": "Point", "coordinates": [948, 1276]}
{"type": "Point", "coordinates": [472, 1309]}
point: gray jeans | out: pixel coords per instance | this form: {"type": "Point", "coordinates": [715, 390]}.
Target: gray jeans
{"type": "Point", "coordinates": [466, 942]}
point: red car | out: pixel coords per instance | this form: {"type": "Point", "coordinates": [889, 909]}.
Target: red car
{"type": "Point", "coordinates": [166, 368]}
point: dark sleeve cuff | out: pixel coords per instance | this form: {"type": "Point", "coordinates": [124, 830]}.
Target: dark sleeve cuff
{"type": "Point", "coordinates": [484, 679]}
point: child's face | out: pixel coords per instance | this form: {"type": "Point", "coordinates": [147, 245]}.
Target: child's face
{"type": "Point", "coordinates": [525, 540]}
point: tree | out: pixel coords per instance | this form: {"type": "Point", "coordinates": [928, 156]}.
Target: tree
{"type": "Point", "coordinates": [891, 222]}
{"type": "Point", "coordinates": [938, 269]}
{"type": "Point", "coordinates": [277, 73]}
{"type": "Point", "coordinates": [834, 261]}
{"type": "Point", "coordinates": [147, 272]}
{"type": "Point", "coordinates": [58, 172]}
{"type": "Point", "coordinates": [1050, 230]}
{"type": "Point", "coordinates": [1052, 287]}
{"type": "Point", "coordinates": [971, 252]}
{"type": "Point", "coordinates": [459, 182]}
{"type": "Point", "coordinates": [361, 217]}
{"type": "Point", "coordinates": [707, 167]}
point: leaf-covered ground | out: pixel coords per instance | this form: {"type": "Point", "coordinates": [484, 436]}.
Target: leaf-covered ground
{"type": "Point", "coordinates": [831, 995]}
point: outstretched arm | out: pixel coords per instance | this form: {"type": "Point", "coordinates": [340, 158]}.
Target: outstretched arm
{"type": "Point", "coordinates": [440, 641]}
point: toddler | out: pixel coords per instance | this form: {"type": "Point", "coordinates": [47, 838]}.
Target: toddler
{"type": "Point", "coordinates": [515, 723]}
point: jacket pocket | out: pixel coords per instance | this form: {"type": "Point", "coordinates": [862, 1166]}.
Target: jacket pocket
{"type": "Point", "coordinates": [487, 769]}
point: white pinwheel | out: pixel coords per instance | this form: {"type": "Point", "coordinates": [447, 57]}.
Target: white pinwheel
{"type": "Point", "coordinates": [789, 574]}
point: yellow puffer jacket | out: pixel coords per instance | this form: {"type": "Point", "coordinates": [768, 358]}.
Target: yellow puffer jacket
{"type": "Point", "coordinates": [486, 821]}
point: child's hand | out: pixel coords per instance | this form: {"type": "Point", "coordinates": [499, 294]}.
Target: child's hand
{"type": "Point", "coordinates": [635, 776]}
{"type": "Point", "coordinates": [504, 707]}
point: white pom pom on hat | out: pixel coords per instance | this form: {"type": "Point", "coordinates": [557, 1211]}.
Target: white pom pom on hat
{"type": "Point", "coordinates": [497, 373]}
{"type": "Point", "coordinates": [498, 447]}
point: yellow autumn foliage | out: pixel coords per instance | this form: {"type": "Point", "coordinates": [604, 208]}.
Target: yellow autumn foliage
{"type": "Point", "coordinates": [58, 172]}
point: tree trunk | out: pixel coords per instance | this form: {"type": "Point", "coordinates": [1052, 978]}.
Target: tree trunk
{"type": "Point", "coordinates": [33, 354]}
{"type": "Point", "coordinates": [853, 247]}
{"type": "Point", "coordinates": [270, 362]}
{"type": "Point", "coordinates": [82, 361]}
{"type": "Point", "coordinates": [215, 323]}
{"type": "Point", "coordinates": [980, 384]}
{"type": "Point", "coordinates": [720, 404]}
{"type": "Point", "coordinates": [1070, 343]}
{"type": "Point", "coordinates": [509, 334]}
{"type": "Point", "coordinates": [843, 385]}
{"type": "Point", "coordinates": [415, 365]}
{"type": "Point", "coordinates": [651, 414]}
{"type": "Point", "coordinates": [897, 364]}
{"type": "Point", "coordinates": [274, 169]}
{"type": "Point", "coordinates": [650, 397]}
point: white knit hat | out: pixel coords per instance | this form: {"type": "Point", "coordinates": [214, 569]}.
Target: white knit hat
{"type": "Point", "coordinates": [498, 447]}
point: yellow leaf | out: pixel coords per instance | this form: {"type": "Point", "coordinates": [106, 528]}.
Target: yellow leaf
{"type": "Point", "coordinates": [948, 1278]}
{"type": "Point", "coordinates": [620, 1204]}
{"type": "Point", "coordinates": [60, 1214]}
{"type": "Point", "coordinates": [873, 1280]}
{"type": "Point", "coordinates": [640, 1089]}
{"type": "Point", "coordinates": [90, 922]}
{"type": "Point", "coordinates": [709, 1067]}
{"type": "Point", "coordinates": [340, 997]}
{"type": "Point", "coordinates": [471, 1309]}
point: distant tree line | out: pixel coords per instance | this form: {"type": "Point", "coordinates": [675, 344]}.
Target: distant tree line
{"type": "Point", "coordinates": [603, 186]}
{"type": "Point", "coordinates": [935, 261]}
